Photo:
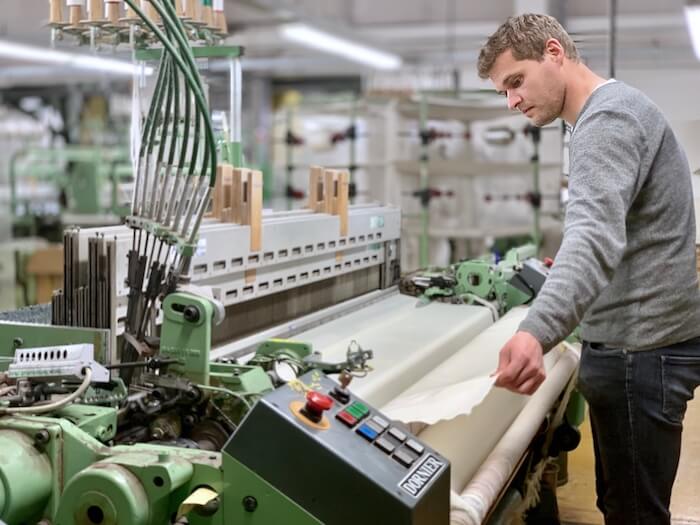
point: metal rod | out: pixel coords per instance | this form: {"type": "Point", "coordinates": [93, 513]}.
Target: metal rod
{"type": "Point", "coordinates": [612, 35]}
{"type": "Point", "coordinates": [172, 199]}
{"type": "Point", "coordinates": [236, 90]}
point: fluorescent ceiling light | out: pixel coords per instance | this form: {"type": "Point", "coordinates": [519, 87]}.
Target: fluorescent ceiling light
{"type": "Point", "coordinates": [316, 39]}
{"type": "Point", "coordinates": [692, 19]}
{"type": "Point", "coordinates": [52, 56]}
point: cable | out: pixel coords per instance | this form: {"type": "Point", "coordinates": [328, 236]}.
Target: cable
{"type": "Point", "coordinates": [168, 14]}
{"type": "Point", "coordinates": [50, 407]}
{"type": "Point", "coordinates": [199, 97]}
{"type": "Point", "coordinates": [227, 392]}
{"type": "Point", "coordinates": [483, 302]}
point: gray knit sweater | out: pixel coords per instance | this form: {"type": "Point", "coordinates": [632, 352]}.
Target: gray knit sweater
{"type": "Point", "coordinates": [626, 268]}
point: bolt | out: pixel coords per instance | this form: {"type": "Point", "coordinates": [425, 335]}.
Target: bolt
{"type": "Point", "coordinates": [191, 313]}
{"type": "Point", "coordinates": [17, 342]}
{"type": "Point", "coordinates": [42, 437]}
{"type": "Point", "coordinates": [250, 504]}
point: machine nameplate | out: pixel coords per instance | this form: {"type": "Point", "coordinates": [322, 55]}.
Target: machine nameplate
{"type": "Point", "coordinates": [420, 476]}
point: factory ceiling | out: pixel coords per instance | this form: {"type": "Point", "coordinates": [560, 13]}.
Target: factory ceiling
{"type": "Point", "coordinates": [438, 33]}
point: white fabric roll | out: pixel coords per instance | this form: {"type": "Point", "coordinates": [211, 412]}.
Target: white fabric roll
{"type": "Point", "coordinates": [468, 428]}
{"type": "Point", "coordinates": [407, 341]}
{"type": "Point", "coordinates": [472, 505]}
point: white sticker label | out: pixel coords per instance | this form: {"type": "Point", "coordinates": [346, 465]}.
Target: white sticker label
{"type": "Point", "coordinates": [201, 248]}
{"type": "Point", "coordinates": [421, 476]}
{"type": "Point", "coordinates": [376, 222]}
{"type": "Point", "coordinates": [75, 2]}
{"type": "Point", "coordinates": [218, 5]}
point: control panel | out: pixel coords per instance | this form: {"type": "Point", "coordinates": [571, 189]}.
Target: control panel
{"type": "Point", "coordinates": [340, 459]}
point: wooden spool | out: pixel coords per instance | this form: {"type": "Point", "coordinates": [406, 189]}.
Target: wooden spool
{"type": "Point", "coordinates": [189, 9]}
{"type": "Point", "coordinates": [95, 11]}
{"type": "Point", "coordinates": [207, 15]}
{"type": "Point", "coordinates": [112, 8]}
{"type": "Point", "coordinates": [75, 11]}
{"type": "Point", "coordinates": [150, 11]}
{"type": "Point", "coordinates": [55, 12]}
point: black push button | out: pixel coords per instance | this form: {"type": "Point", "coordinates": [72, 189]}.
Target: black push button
{"type": "Point", "coordinates": [404, 457]}
{"type": "Point", "coordinates": [415, 446]}
{"type": "Point", "coordinates": [396, 433]}
{"type": "Point", "coordinates": [386, 445]}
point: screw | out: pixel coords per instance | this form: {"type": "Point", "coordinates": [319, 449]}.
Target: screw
{"type": "Point", "coordinates": [191, 313]}
{"type": "Point", "coordinates": [250, 504]}
{"type": "Point", "coordinates": [42, 437]}
{"type": "Point", "coordinates": [17, 342]}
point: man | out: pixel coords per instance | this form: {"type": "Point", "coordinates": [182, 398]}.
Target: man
{"type": "Point", "coordinates": [625, 272]}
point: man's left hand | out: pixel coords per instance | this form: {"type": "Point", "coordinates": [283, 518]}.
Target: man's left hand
{"type": "Point", "coordinates": [521, 364]}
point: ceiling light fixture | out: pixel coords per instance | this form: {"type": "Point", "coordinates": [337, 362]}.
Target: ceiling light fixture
{"type": "Point", "coordinates": [322, 41]}
{"type": "Point", "coordinates": [692, 19]}
{"type": "Point", "coordinates": [16, 51]}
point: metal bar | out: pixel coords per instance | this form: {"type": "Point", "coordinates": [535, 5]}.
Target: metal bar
{"type": "Point", "coordinates": [612, 35]}
{"type": "Point", "coordinates": [248, 344]}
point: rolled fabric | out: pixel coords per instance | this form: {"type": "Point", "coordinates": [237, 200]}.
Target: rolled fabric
{"type": "Point", "coordinates": [479, 495]}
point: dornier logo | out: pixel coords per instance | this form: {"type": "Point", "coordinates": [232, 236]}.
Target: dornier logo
{"type": "Point", "coordinates": [421, 475]}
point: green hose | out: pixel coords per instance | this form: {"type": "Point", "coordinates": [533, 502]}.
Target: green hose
{"type": "Point", "coordinates": [199, 98]}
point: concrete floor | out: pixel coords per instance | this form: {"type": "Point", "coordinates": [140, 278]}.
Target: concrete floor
{"type": "Point", "coordinates": [576, 499]}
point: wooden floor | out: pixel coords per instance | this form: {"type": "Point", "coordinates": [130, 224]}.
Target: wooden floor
{"type": "Point", "coordinates": [577, 498]}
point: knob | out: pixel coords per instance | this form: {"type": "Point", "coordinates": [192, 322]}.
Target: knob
{"type": "Point", "coordinates": [316, 404]}
{"type": "Point", "coordinates": [191, 313]}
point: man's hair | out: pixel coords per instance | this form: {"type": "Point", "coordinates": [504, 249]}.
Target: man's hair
{"type": "Point", "coordinates": [526, 36]}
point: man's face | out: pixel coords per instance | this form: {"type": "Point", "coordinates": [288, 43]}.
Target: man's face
{"type": "Point", "coordinates": [536, 89]}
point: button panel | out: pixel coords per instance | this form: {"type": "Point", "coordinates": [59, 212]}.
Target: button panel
{"type": "Point", "coordinates": [376, 429]}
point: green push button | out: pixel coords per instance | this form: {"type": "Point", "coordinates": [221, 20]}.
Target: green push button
{"type": "Point", "coordinates": [362, 409]}
{"type": "Point", "coordinates": [356, 412]}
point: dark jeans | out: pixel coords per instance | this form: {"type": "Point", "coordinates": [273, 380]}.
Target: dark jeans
{"type": "Point", "coordinates": [637, 401]}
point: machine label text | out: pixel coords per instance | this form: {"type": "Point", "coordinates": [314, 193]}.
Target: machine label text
{"type": "Point", "coordinates": [419, 478]}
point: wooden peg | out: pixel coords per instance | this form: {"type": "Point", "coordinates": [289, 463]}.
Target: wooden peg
{"type": "Point", "coordinates": [55, 12]}
{"type": "Point", "coordinates": [222, 203]}
{"type": "Point", "coordinates": [75, 11]}
{"type": "Point", "coordinates": [316, 189]}
{"type": "Point", "coordinates": [150, 11]}
{"type": "Point", "coordinates": [219, 21]}
{"type": "Point", "coordinates": [190, 9]}
{"type": "Point", "coordinates": [95, 11]}
{"type": "Point", "coordinates": [112, 11]}
{"type": "Point", "coordinates": [247, 203]}
{"type": "Point", "coordinates": [207, 13]}
{"type": "Point", "coordinates": [342, 199]}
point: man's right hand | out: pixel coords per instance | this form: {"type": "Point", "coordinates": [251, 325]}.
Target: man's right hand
{"type": "Point", "coordinates": [521, 364]}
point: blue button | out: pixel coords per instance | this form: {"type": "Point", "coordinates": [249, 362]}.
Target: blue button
{"type": "Point", "coordinates": [367, 432]}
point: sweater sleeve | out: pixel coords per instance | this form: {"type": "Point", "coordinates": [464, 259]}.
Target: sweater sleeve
{"type": "Point", "coordinates": [606, 153]}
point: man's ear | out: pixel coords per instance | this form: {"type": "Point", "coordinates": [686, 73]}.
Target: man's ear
{"type": "Point", "coordinates": [554, 49]}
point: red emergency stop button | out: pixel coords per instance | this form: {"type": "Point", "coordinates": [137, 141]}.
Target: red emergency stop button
{"type": "Point", "coordinates": [548, 262]}
{"type": "Point", "coordinates": [316, 404]}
